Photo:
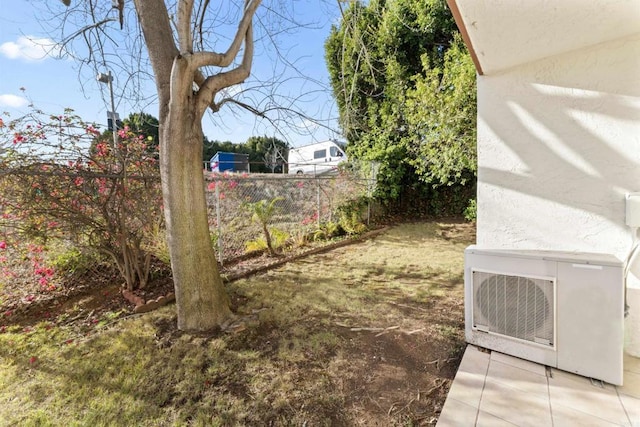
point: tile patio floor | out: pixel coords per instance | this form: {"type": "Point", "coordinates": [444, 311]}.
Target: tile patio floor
{"type": "Point", "coordinates": [493, 389]}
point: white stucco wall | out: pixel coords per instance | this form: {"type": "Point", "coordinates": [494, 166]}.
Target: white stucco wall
{"type": "Point", "coordinates": [558, 148]}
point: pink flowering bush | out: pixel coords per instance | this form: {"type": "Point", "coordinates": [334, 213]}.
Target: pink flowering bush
{"type": "Point", "coordinates": [62, 180]}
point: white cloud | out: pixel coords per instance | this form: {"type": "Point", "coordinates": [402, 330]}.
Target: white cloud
{"type": "Point", "coordinates": [29, 48]}
{"type": "Point", "coordinates": [13, 101]}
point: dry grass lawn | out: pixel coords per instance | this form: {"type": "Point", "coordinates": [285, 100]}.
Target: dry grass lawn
{"type": "Point", "coordinates": [369, 334]}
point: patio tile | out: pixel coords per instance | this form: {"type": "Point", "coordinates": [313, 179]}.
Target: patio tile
{"type": "Point", "coordinates": [499, 390]}
{"type": "Point", "coordinates": [469, 381]}
{"type": "Point", "coordinates": [632, 406]}
{"type": "Point", "coordinates": [565, 416]}
{"type": "Point", "coordinates": [631, 363]}
{"type": "Point", "coordinates": [474, 361]}
{"type": "Point", "coordinates": [556, 373]}
{"type": "Point", "coordinates": [578, 393]}
{"type": "Point", "coordinates": [456, 413]}
{"type": "Point", "coordinates": [521, 379]}
{"type": "Point", "coordinates": [485, 419]}
{"type": "Point", "coordinates": [631, 386]}
{"type": "Point", "coordinates": [515, 406]}
{"type": "Point", "coordinates": [467, 388]}
{"type": "Point", "coordinates": [518, 363]}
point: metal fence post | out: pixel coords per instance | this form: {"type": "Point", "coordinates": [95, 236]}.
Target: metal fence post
{"type": "Point", "coordinates": [219, 224]}
{"type": "Point", "coordinates": [369, 194]}
{"type": "Point", "coordinates": [318, 206]}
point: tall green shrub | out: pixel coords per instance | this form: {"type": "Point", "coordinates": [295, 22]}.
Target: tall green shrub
{"type": "Point", "coordinates": [405, 89]}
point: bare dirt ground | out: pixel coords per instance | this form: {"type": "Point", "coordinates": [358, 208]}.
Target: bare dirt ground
{"type": "Point", "coordinates": [369, 334]}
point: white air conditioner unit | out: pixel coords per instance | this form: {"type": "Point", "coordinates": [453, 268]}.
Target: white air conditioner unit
{"type": "Point", "coordinates": [560, 309]}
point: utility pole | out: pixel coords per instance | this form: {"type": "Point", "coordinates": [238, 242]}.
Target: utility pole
{"type": "Point", "coordinates": [108, 80]}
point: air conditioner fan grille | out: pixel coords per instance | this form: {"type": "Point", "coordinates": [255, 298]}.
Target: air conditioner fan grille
{"type": "Point", "coordinates": [515, 306]}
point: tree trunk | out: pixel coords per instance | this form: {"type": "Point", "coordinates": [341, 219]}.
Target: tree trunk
{"type": "Point", "coordinates": [267, 237]}
{"type": "Point", "coordinates": [201, 298]}
{"type": "Point", "coordinates": [200, 295]}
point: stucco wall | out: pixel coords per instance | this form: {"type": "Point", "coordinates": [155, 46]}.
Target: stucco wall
{"type": "Point", "coordinates": [558, 147]}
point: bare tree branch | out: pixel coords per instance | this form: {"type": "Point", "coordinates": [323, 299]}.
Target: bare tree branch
{"type": "Point", "coordinates": [100, 46]}
{"type": "Point", "coordinates": [161, 45]}
{"type": "Point", "coordinates": [84, 31]}
{"type": "Point", "coordinates": [264, 113]}
{"type": "Point", "coordinates": [216, 82]}
{"type": "Point", "coordinates": [202, 12]}
{"type": "Point", "coordinates": [202, 59]}
{"type": "Point", "coordinates": [120, 7]}
{"type": "Point", "coordinates": [185, 40]}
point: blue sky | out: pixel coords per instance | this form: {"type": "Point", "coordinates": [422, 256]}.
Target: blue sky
{"type": "Point", "coordinates": [53, 84]}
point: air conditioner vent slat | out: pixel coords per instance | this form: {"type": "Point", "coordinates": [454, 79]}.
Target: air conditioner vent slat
{"type": "Point", "coordinates": [516, 306]}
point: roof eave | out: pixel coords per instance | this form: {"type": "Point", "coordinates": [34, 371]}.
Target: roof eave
{"type": "Point", "coordinates": [465, 34]}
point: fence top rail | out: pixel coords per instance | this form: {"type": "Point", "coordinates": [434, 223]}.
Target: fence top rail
{"type": "Point", "coordinates": [72, 174]}
{"type": "Point", "coordinates": [278, 177]}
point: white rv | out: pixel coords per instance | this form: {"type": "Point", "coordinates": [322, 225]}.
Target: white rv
{"type": "Point", "coordinates": [318, 158]}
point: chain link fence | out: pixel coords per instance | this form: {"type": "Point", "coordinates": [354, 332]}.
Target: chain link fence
{"type": "Point", "coordinates": [301, 204]}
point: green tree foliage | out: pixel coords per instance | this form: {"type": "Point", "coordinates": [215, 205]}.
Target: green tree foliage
{"type": "Point", "coordinates": [142, 124]}
{"type": "Point", "coordinates": [382, 58]}
{"type": "Point", "coordinates": [262, 212]}
{"type": "Point", "coordinates": [441, 117]}
{"type": "Point", "coordinates": [146, 125]}
{"type": "Point", "coordinates": [210, 148]}
{"type": "Point", "coordinates": [266, 154]}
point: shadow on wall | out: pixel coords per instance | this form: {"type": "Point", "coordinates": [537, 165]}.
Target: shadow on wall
{"type": "Point", "coordinates": [559, 145]}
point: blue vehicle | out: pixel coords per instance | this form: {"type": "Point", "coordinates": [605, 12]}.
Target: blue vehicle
{"type": "Point", "coordinates": [229, 162]}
